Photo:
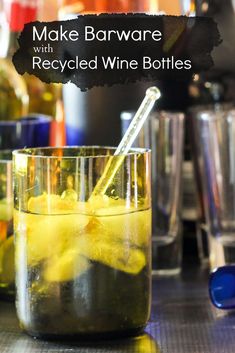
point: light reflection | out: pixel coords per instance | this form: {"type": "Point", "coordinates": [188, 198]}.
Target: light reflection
{"type": "Point", "coordinates": [140, 344]}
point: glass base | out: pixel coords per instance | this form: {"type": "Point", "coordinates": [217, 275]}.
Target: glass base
{"type": "Point", "coordinates": [222, 250]}
{"type": "Point", "coordinates": [89, 336]}
{"type": "Point", "coordinates": [166, 255]}
{"type": "Point", "coordinates": [167, 272]}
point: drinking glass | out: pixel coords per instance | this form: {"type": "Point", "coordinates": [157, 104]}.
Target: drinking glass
{"type": "Point", "coordinates": [83, 262]}
{"type": "Point", "coordinates": [194, 114]}
{"type": "Point", "coordinates": [30, 131]}
{"type": "Point", "coordinates": [167, 150]}
{"type": "Point", "coordinates": [215, 153]}
{"type": "Point", "coordinates": [143, 139]}
{"type": "Point", "coordinates": [164, 134]}
{"type": "Point", "coordinates": [201, 227]}
{"type": "Point", "coordinates": [7, 273]}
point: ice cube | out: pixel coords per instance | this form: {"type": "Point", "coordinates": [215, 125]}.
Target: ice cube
{"type": "Point", "coordinates": [48, 235]}
{"type": "Point", "coordinates": [97, 245]}
{"type": "Point", "coordinates": [100, 204]}
{"type": "Point", "coordinates": [56, 204]}
{"type": "Point", "coordinates": [128, 225]}
{"type": "Point", "coordinates": [66, 267]}
{"type": "Point", "coordinates": [112, 254]}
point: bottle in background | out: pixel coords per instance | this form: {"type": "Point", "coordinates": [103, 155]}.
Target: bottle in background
{"type": "Point", "coordinates": [127, 6]}
{"type": "Point", "coordinates": [13, 93]}
{"type": "Point", "coordinates": [13, 90]}
{"type": "Point", "coordinates": [48, 10]}
{"type": "Point", "coordinates": [42, 96]}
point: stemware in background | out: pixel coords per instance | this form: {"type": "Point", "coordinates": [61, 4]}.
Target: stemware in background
{"type": "Point", "coordinates": [214, 140]}
{"type": "Point", "coordinates": [164, 134]}
{"type": "Point", "coordinates": [93, 250]}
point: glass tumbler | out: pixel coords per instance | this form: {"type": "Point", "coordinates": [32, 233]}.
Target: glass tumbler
{"type": "Point", "coordinates": [167, 161]}
{"type": "Point", "coordinates": [164, 133]}
{"type": "Point", "coordinates": [215, 146]}
{"type": "Point", "coordinates": [82, 258]}
{"type": "Point", "coordinates": [197, 128]}
{"type": "Point", "coordinates": [7, 273]}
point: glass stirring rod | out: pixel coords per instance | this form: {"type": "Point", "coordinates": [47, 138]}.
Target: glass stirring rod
{"type": "Point", "coordinates": [115, 161]}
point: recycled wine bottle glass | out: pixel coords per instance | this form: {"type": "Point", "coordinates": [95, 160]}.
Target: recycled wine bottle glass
{"type": "Point", "coordinates": [82, 263]}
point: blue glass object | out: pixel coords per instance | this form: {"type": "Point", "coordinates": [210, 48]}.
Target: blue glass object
{"type": "Point", "coordinates": [222, 287]}
{"type": "Point", "coordinates": [31, 131]}
{"type": "Point", "coordinates": [74, 136]}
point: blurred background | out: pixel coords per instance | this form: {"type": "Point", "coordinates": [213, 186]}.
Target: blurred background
{"type": "Point", "coordinates": [94, 117]}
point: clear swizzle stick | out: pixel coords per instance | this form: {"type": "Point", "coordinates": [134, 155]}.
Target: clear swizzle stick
{"type": "Point", "coordinates": [114, 163]}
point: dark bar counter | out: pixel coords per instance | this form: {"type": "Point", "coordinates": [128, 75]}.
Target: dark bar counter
{"type": "Point", "coordinates": [182, 321]}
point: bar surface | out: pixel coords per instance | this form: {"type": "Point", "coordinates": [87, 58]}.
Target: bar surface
{"type": "Point", "coordinates": [182, 321]}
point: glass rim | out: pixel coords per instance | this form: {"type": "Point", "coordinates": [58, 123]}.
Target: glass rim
{"type": "Point", "coordinates": [172, 113]}
{"type": "Point", "coordinates": [127, 115]}
{"type": "Point", "coordinates": [210, 115]}
{"type": "Point", "coordinates": [28, 152]}
{"type": "Point", "coordinates": [33, 119]}
{"type": "Point", "coordinates": [219, 106]}
{"type": "Point", "coordinates": [168, 115]}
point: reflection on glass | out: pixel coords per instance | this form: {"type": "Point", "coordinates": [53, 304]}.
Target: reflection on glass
{"type": "Point", "coordinates": [140, 344]}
